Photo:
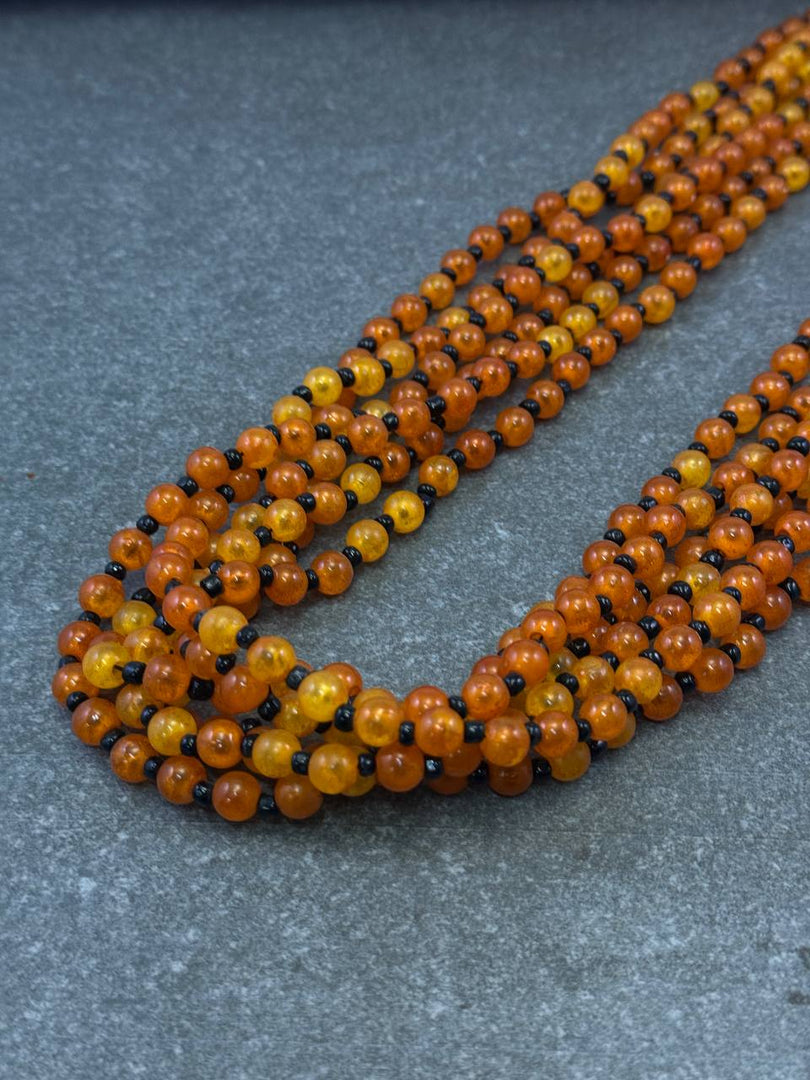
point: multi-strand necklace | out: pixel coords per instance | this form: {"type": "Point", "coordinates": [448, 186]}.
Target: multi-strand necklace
{"type": "Point", "coordinates": [174, 683]}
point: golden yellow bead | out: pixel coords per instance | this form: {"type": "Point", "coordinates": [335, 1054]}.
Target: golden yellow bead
{"type": "Point", "coordinates": [239, 544]}
{"type": "Point", "coordinates": [399, 354]}
{"type": "Point", "coordinates": [704, 94]}
{"type": "Point", "coordinates": [578, 320]}
{"type": "Point", "coordinates": [291, 407]}
{"type": "Point", "coordinates": [285, 519]}
{"type": "Point", "coordinates": [594, 675]}
{"type": "Point", "coordinates": [324, 384]}
{"type": "Point", "coordinates": [361, 786]}
{"type": "Point", "coordinates": [547, 696]}
{"type": "Point", "coordinates": [130, 701]}
{"type": "Point", "coordinates": [292, 718]}
{"type": "Point", "coordinates": [272, 752]}
{"type": "Point", "coordinates": [406, 509]}
{"type": "Point", "coordinates": [586, 198]}
{"type": "Point", "coordinates": [320, 694]}
{"type": "Point", "coordinates": [218, 628]}
{"type": "Point", "coordinates": [147, 642]}
{"type": "Point", "coordinates": [700, 125]}
{"type": "Point", "coordinates": [369, 376]}
{"type": "Point", "coordinates": [558, 338]}
{"type": "Point", "coordinates": [250, 516]}
{"type": "Point", "coordinates": [333, 768]}
{"type": "Point", "coordinates": [632, 146]}
{"type": "Point", "coordinates": [573, 765]}
{"type": "Point", "coordinates": [759, 100]}
{"type": "Point", "coordinates": [656, 212]}
{"type": "Point", "coordinates": [453, 317]}
{"type": "Point", "coordinates": [377, 407]}
{"type": "Point", "coordinates": [132, 616]}
{"type": "Point", "coordinates": [701, 578]}
{"type": "Point", "coordinates": [641, 677]}
{"type": "Point", "coordinates": [694, 466]}
{"type": "Point", "coordinates": [271, 659]}
{"type": "Point", "coordinates": [370, 538]}
{"type": "Point", "coordinates": [168, 727]}
{"type": "Point", "coordinates": [795, 171]}
{"type": "Point", "coordinates": [103, 664]}
{"type": "Point", "coordinates": [364, 481]}
{"type": "Point", "coordinates": [555, 262]}
{"type": "Point", "coordinates": [615, 169]}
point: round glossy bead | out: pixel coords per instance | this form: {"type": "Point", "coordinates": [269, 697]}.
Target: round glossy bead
{"type": "Point", "coordinates": [333, 768]}
{"type": "Point", "coordinates": [320, 694]}
{"type": "Point", "coordinates": [236, 795]}
{"type": "Point", "coordinates": [177, 777]}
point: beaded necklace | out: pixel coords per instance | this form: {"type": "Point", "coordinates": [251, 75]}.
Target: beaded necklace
{"type": "Point", "coordinates": [178, 687]}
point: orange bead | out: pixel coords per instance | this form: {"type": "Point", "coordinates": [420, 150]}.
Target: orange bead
{"type": "Point", "coordinates": [606, 714]}
{"type": "Point", "coordinates": [92, 719]}
{"type": "Point", "coordinates": [77, 637]}
{"type": "Point", "coordinates": [236, 796]}
{"type": "Point", "coordinates": [131, 548]}
{"type": "Point", "coordinates": [182, 605]}
{"type": "Point", "coordinates": [506, 741]}
{"type": "Point", "coordinates": [334, 571]}
{"type": "Point", "coordinates": [679, 646]}
{"type": "Point", "coordinates": [666, 703]}
{"type": "Point", "coordinates": [439, 731]}
{"type": "Point", "coordinates": [68, 680]}
{"type": "Point", "coordinates": [559, 734]}
{"type": "Point", "coordinates": [296, 797]}
{"type": "Point", "coordinates": [167, 678]}
{"type": "Point", "coordinates": [511, 780]}
{"type": "Point", "coordinates": [573, 765]}
{"type": "Point", "coordinates": [128, 757]}
{"type": "Point", "coordinates": [178, 776]}
{"type": "Point", "coordinates": [713, 671]}
{"type": "Point", "coordinates": [399, 768]}
{"type": "Point", "coordinates": [485, 696]}
{"type": "Point", "coordinates": [166, 502]}
{"type": "Point", "coordinates": [208, 467]}
{"type": "Point", "coordinates": [102, 595]}
{"type": "Point", "coordinates": [219, 743]}
{"type": "Point", "coordinates": [750, 642]}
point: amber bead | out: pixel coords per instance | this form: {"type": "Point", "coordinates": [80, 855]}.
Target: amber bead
{"type": "Point", "coordinates": [713, 671]}
{"type": "Point", "coordinates": [558, 733]}
{"type": "Point", "coordinates": [606, 714]}
{"type": "Point", "coordinates": [377, 719]}
{"type": "Point", "coordinates": [679, 646]}
{"type": "Point", "coordinates": [128, 757]}
{"type": "Point", "coordinates": [236, 795]}
{"type": "Point", "coordinates": [167, 678]}
{"type": "Point", "coordinates": [666, 703]}
{"type": "Point", "coordinates": [750, 642]}
{"type": "Point", "coordinates": [485, 696]}
{"type": "Point", "coordinates": [92, 719]}
{"type": "Point", "coordinates": [399, 768]}
{"type": "Point", "coordinates": [776, 606]}
{"type": "Point", "coordinates": [101, 594]}
{"type": "Point", "coordinates": [439, 731]}
{"type": "Point", "coordinates": [640, 676]}
{"type": "Point", "coordinates": [177, 777]}
{"type": "Point", "coordinates": [511, 780]}
{"type": "Point", "coordinates": [76, 638]}
{"type": "Point", "coordinates": [506, 741]}
{"type": "Point", "coordinates": [296, 797]}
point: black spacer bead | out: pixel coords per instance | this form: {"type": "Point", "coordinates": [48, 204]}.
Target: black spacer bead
{"type": "Point", "coordinates": [616, 536]}
{"type": "Point", "coordinates": [351, 500]}
{"type": "Point", "coordinates": [269, 708]}
{"type": "Point", "coordinates": [323, 431]}
{"type": "Point", "coordinates": [791, 587]}
{"type": "Point", "coordinates": [457, 704]}
{"type": "Point", "coordinates": [300, 762]}
{"type": "Point", "coordinates": [474, 731]}
{"type": "Point", "coordinates": [654, 655]}
{"type": "Point", "coordinates": [713, 557]}
{"type": "Point", "coordinates": [682, 589]}
{"type": "Point", "coordinates": [686, 680]}
{"type": "Point", "coordinates": [110, 738]}
{"type": "Point", "coordinates": [579, 647]}
{"type": "Point", "coordinates": [672, 473]}
{"type": "Point", "coordinates": [151, 767]}
{"type": "Point", "coordinates": [627, 561]}
{"type": "Point", "coordinates": [143, 594]}
{"type": "Point", "coordinates": [541, 769]}
{"type": "Point", "coordinates": [147, 712]}
{"type": "Point", "coordinates": [201, 793]}
{"type": "Point", "coordinates": [234, 459]}
{"type": "Point", "coordinates": [391, 421]}
{"type": "Point", "coordinates": [497, 438]}
{"type": "Point", "coordinates": [353, 555]}
{"type": "Point", "coordinates": [584, 730]}
{"type": "Point", "coordinates": [565, 386]}
{"type": "Point", "coordinates": [224, 663]}
{"type": "Point", "coordinates": [365, 764]}
{"type": "Point", "coordinates": [306, 500]}
{"type": "Point", "coordinates": [132, 672]}
{"type": "Point", "coordinates": [800, 444]}
{"type": "Point", "coordinates": [227, 492]}
{"type": "Point", "coordinates": [188, 746]}
{"type": "Point", "coordinates": [515, 683]}
{"type": "Point", "coordinates": [74, 700]}
{"type": "Point", "coordinates": [246, 636]}
{"type": "Point", "coordinates": [386, 521]}
{"type": "Point", "coordinates": [296, 676]}
{"type": "Point", "coordinates": [200, 689]}
{"type": "Point", "coordinates": [115, 570]}
{"type": "Point", "coordinates": [627, 699]}
{"type": "Point", "coordinates": [703, 629]}
{"type": "Point", "coordinates": [344, 443]}
{"type": "Point", "coordinates": [451, 351]}
{"type": "Point", "coordinates": [163, 626]}
{"type": "Point", "coordinates": [611, 658]}
{"type": "Point", "coordinates": [732, 651]}
{"type": "Point", "coordinates": [742, 513]}
{"type": "Point", "coordinates": [267, 574]}
{"type": "Point", "coordinates": [407, 733]}
{"type": "Point", "coordinates": [187, 485]}
{"type": "Point", "coordinates": [344, 717]}
{"type": "Point", "coordinates": [650, 626]}
{"type": "Point", "coordinates": [147, 524]}
{"type": "Point", "coordinates": [771, 444]}
{"type": "Point", "coordinates": [786, 542]}
{"type": "Point", "coordinates": [605, 605]}
{"type": "Point", "coordinates": [312, 579]}
{"type": "Point", "coordinates": [346, 376]}
{"type": "Point", "coordinates": [267, 806]}
{"type": "Point", "coordinates": [569, 681]}
{"type": "Point", "coordinates": [754, 619]}
{"type": "Point", "coordinates": [263, 535]}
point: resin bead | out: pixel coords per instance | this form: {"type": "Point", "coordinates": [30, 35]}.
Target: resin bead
{"type": "Point", "coordinates": [333, 768]}
{"type": "Point", "coordinates": [296, 797]}
{"type": "Point", "coordinates": [177, 777]}
{"type": "Point", "coordinates": [399, 768]}
{"type": "Point", "coordinates": [320, 694]}
{"type": "Point", "coordinates": [236, 796]}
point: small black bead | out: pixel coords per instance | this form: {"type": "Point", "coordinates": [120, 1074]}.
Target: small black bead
{"type": "Point", "coordinates": [375, 463]}
{"type": "Point", "coordinates": [368, 343]}
{"type": "Point", "coordinates": [732, 651]}
{"type": "Point", "coordinates": [147, 524]}
{"type": "Point", "coordinates": [579, 647]}
{"type": "Point", "coordinates": [714, 558]}
{"type": "Point", "coordinates": [718, 495]}
{"type": "Point", "coordinates": [628, 699]}
{"type": "Point", "coordinates": [351, 500]}
{"type": "Point", "coordinates": [151, 767]}
{"type": "Point", "coordinates": [132, 672]}
{"type": "Point", "coordinates": [772, 444]}
{"type": "Point", "coordinates": [514, 683]}
{"type": "Point", "coordinates": [565, 386]}
{"type": "Point", "coordinates": [353, 555]}
{"type": "Point", "coordinates": [344, 717]}
{"type": "Point", "coordinates": [611, 659]}
{"type": "Point", "coordinates": [163, 625]}
{"type": "Point", "coordinates": [569, 681]}
{"type": "Point", "coordinates": [729, 416]}
{"type": "Point", "coordinates": [297, 676]}
{"type": "Point", "coordinates": [786, 542]}
{"type": "Point", "coordinates": [65, 660]}
{"type": "Point", "coordinates": [427, 490]}
{"type": "Point", "coordinates": [682, 589]}
{"type": "Point", "coordinates": [227, 492]}
{"type": "Point", "coordinates": [303, 392]}
{"type": "Point", "coordinates": [457, 704]}
{"type": "Point", "coordinates": [225, 662]}
{"type": "Point", "coordinates": [201, 793]}
{"type": "Point", "coordinates": [147, 712]}
{"type": "Point", "coordinates": [74, 700]}
{"type": "Point", "coordinates": [791, 587]}
{"type": "Point", "coordinates": [188, 746]}
{"type": "Point", "coordinates": [531, 407]}
{"type": "Point", "coordinates": [187, 485]}
{"type": "Point", "coordinates": [742, 513]}
{"type": "Point", "coordinates": [173, 584]}
{"type": "Point", "coordinates": [267, 574]}
{"type": "Point", "coordinates": [474, 731]}
{"type": "Point", "coordinates": [267, 806]}
{"type": "Point", "coordinates": [650, 626]}
{"type": "Point", "coordinates": [800, 444]}
{"type": "Point", "coordinates": [234, 459]}
{"type": "Point", "coordinates": [770, 484]}
{"type": "Point", "coordinates": [451, 351]}
{"type": "Point", "coordinates": [346, 376]}
{"type": "Point", "coordinates": [365, 764]}
{"type": "Point", "coordinates": [391, 421]}
{"type": "Point", "coordinates": [703, 629]}
{"type": "Point", "coordinates": [312, 579]}
{"type": "Point", "coordinates": [437, 405]}
{"type": "Point", "coordinates": [246, 636]}
{"type": "Point", "coordinates": [247, 745]}
{"type": "Point", "coordinates": [458, 457]}
{"type": "Point", "coordinates": [479, 775]}
{"type": "Point", "coordinates": [386, 521]}
{"type": "Point", "coordinates": [735, 594]}
{"type": "Point", "coordinates": [263, 535]}
{"type": "Point", "coordinates": [672, 473]}
{"type": "Point", "coordinates": [659, 538]}
{"type": "Point", "coordinates": [433, 768]}
{"type": "Point", "coordinates": [598, 748]}
{"type": "Point", "coordinates": [605, 605]}
{"type": "Point", "coordinates": [300, 762]}
{"type": "Point", "coordinates": [584, 729]}
{"type": "Point", "coordinates": [269, 708]}
{"type": "Point", "coordinates": [323, 431]}
{"type": "Point", "coordinates": [200, 689]}
{"type": "Point", "coordinates": [654, 655]}
{"type": "Point", "coordinates": [110, 738]}
{"type": "Point", "coordinates": [615, 536]}
{"type": "Point", "coordinates": [146, 596]}
{"type": "Point", "coordinates": [406, 733]}
{"type": "Point", "coordinates": [344, 443]}
{"type": "Point", "coordinates": [756, 620]}
{"type": "Point", "coordinates": [647, 502]}
{"type": "Point", "coordinates": [686, 681]}
{"type": "Point", "coordinates": [115, 570]}
{"type": "Point", "coordinates": [626, 561]}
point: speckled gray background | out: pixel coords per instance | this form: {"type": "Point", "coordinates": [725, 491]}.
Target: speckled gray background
{"type": "Point", "coordinates": [196, 205]}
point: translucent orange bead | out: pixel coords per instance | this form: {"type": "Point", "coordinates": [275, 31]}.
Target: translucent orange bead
{"type": "Point", "coordinates": [772, 559]}
{"type": "Point", "coordinates": [297, 797]}
{"type": "Point", "coordinates": [101, 594]}
{"type": "Point", "coordinates": [606, 714]}
{"type": "Point", "coordinates": [166, 678]}
{"type": "Point", "coordinates": [177, 777]}
{"type": "Point", "coordinates": [208, 467]}
{"type": "Point", "coordinates": [594, 676]}
{"type": "Point", "coordinates": [485, 696]}
{"type": "Point", "coordinates": [713, 671]}
{"type": "Point", "coordinates": [679, 646]}
{"type": "Point", "coordinates": [289, 585]}
{"type": "Point", "coordinates": [166, 502]}
{"type": "Point", "coordinates": [439, 731]}
{"type": "Point", "coordinates": [239, 691]}
{"type": "Point", "coordinates": [131, 548]}
{"type": "Point", "coordinates": [130, 701]}
{"type": "Point", "coordinates": [731, 536]}
{"type": "Point", "coordinates": [236, 796]}
{"type": "Point", "coordinates": [750, 642]}
{"type": "Point", "coordinates": [719, 611]}
{"type": "Point", "coordinates": [370, 538]}
{"type": "Point", "coordinates": [128, 757]}
{"type": "Point", "coordinates": [659, 303]}
{"type": "Point", "coordinates": [321, 693]}
{"type": "Point", "coordinates": [511, 780]}
{"type": "Point", "coordinates": [640, 676]}
{"type": "Point", "coordinates": [626, 640]}
{"type": "Point", "coordinates": [218, 628]}
{"type": "Point", "coordinates": [92, 719]}
{"type": "Point", "coordinates": [168, 727]}
{"type": "Point", "coordinates": [506, 740]}
{"type": "Point", "coordinates": [399, 768]}
{"type": "Point", "coordinates": [182, 605]}
{"type": "Point", "coordinates": [377, 719]}
{"type": "Point", "coordinates": [76, 638]}
{"type": "Point", "coordinates": [219, 743]}
{"type": "Point", "coordinates": [666, 703]}
{"type": "Point", "coordinates": [573, 765]}
{"type": "Point", "coordinates": [525, 658]}
{"type": "Point", "coordinates": [271, 659]}
{"type": "Point", "coordinates": [549, 696]}
{"type": "Point", "coordinates": [335, 572]}
{"type": "Point", "coordinates": [285, 519]}
{"type": "Point", "coordinates": [558, 733]}
{"type": "Point", "coordinates": [333, 768]}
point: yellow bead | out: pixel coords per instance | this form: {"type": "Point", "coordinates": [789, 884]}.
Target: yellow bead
{"type": "Point", "coordinates": [333, 768]}
{"type": "Point", "coordinates": [132, 616]}
{"type": "Point", "coordinates": [604, 295]}
{"type": "Point", "coordinates": [400, 355]}
{"type": "Point", "coordinates": [240, 544]}
{"type": "Point", "coordinates": [292, 718]}
{"type": "Point", "coordinates": [218, 629]}
{"type": "Point", "coordinates": [406, 509]}
{"type": "Point", "coordinates": [632, 146]}
{"type": "Point", "coordinates": [555, 262]}
{"type": "Point", "coordinates": [291, 407]}
{"type": "Point", "coordinates": [103, 664]}
{"type": "Point", "coordinates": [370, 538]}
{"type": "Point", "coordinates": [147, 642]}
{"type": "Point", "coordinates": [759, 100]}
{"type": "Point", "coordinates": [324, 384]}
{"type": "Point", "coordinates": [578, 320]}
{"type": "Point", "coordinates": [547, 696]}
{"type": "Point", "coordinates": [320, 694]}
{"type": "Point", "coordinates": [704, 94]}
{"type": "Point", "coordinates": [364, 481]}
{"type": "Point", "coordinates": [453, 317]}
{"type": "Point", "coordinates": [168, 727]}
{"type": "Point", "coordinates": [586, 197]}
{"type": "Point", "coordinates": [615, 169]}
{"type": "Point", "coordinates": [271, 659]}
{"type": "Point", "coordinates": [285, 519]}
{"type": "Point", "coordinates": [594, 675]}
{"type": "Point", "coordinates": [272, 752]}
{"type": "Point", "coordinates": [796, 172]}
{"type": "Point", "coordinates": [558, 338]}
{"type": "Point", "coordinates": [377, 407]}
{"type": "Point", "coordinates": [361, 786]}
{"type": "Point", "coordinates": [658, 302]}
{"type": "Point", "coordinates": [657, 212]}
{"type": "Point", "coordinates": [700, 125]}
{"type": "Point", "coordinates": [369, 376]}
{"type": "Point", "coordinates": [694, 466]}
{"type": "Point", "coordinates": [701, 578]}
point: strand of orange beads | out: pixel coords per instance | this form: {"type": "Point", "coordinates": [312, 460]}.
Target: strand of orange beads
{"type": "Point", "coordinates": [657, 603]}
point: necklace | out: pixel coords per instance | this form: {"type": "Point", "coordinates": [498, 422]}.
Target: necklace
{"type": "Point", "coordinates": [180, 689]}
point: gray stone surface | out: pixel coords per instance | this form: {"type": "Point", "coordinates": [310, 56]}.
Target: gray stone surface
{"type": "Point", "coordinates": [197, 204]}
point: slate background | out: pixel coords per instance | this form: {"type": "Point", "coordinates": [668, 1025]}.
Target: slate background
{"type": "Point", "coordinates": [198, 204]}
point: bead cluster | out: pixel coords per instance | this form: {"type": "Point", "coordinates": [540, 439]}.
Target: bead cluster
{"type": "Point", "coordinates": [179, 688]}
